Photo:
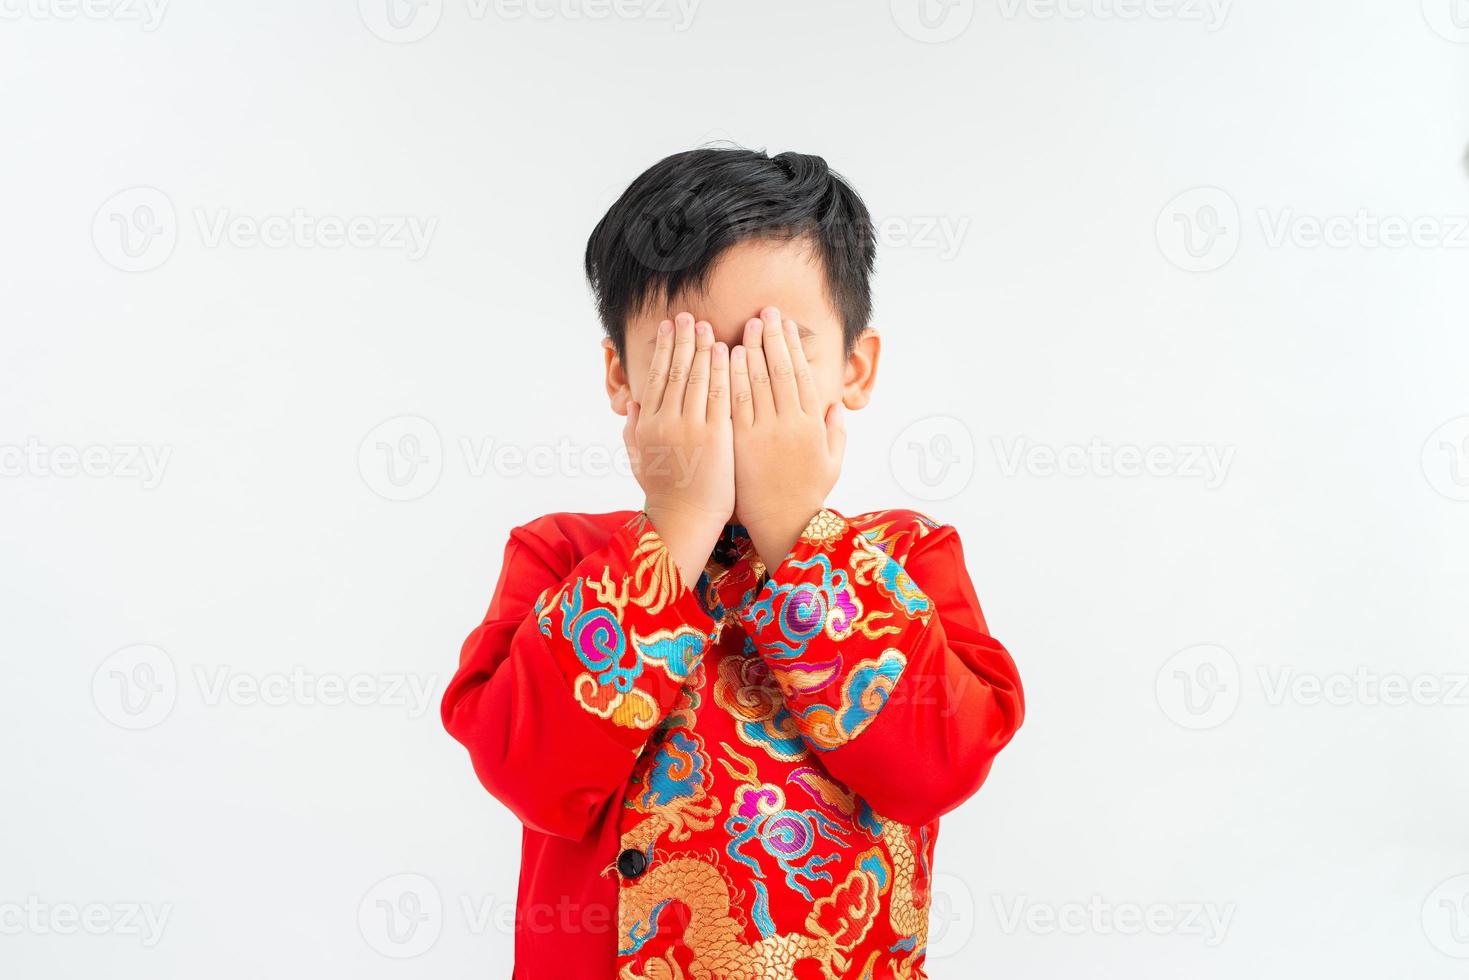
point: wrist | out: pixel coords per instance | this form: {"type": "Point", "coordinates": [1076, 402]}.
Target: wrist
{"type": "Point", "coordinates": [688, 534]}
{"type": "Point", "coordinates": [775, 537]}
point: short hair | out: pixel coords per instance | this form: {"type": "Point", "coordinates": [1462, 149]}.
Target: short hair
{"type": "Point", "coordinates": [674, 221]}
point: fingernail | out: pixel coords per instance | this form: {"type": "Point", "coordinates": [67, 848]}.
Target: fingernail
{"type": "Point", "coordinates": [684, 319]}
{"type": "Point", "coordinates": [701, 328]}
{"type": "Point", "coordinates": [665, 327]}
{"type": "Point", "coordinates": [790, 326]}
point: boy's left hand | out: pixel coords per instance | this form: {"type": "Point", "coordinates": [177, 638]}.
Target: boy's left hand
{"type": "Point", "coordinates": [787, 451]}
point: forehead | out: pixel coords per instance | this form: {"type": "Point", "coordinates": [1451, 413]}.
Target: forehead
{"type": "Point", "coordinates": [750, 276]}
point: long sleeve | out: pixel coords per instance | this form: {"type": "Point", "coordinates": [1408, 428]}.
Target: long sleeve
{"type": "Point", "coordinates": [574, 666]}
{"type": "Point", "coordinates": [886, 665]}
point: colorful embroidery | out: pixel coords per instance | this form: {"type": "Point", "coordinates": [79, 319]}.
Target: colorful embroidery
{"type": "Point", "coordinates": [730, 758]}
{"type": "Point", "coordinates": [744, 828]}
{"type": "Point", "coordinates": [678, 770]}
{"type": "Point", "coordinates": [909, 901]}
{"type": "Point", "coordinates": [655, 573]}
{"type": "Point", "coordinates": [675, 650]}
{"type": "Point", "coordinates": [870, 565]}
{"type": "Point", "coordinates": [796, 614]}
{"type": "Point", "coordinates": [635, 709]}
{"type": "Point", "coordinates": [712, 933]}
{"type": "Point", "coordinates": [671, 782]}
{"type": "Point", "coordinates": [866, 689]}
{"type": "Point", "coordinates": [810, 624]}
{"type": "Point", "coordinates": [824, 529]}
{"type": "Point", "coordinates": [846, 915]}
{"type": "Point", "coordinates": [836, 799]}
{"type": "Point", "coordinates": [747, 691]}
{"type": "Point", "coordinates": [626, 664]}
{"type": "Point", "coordinates": [758, 812]}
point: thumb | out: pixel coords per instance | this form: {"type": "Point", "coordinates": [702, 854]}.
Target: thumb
{"type": "Point", "coordinates": [836, 430]}
{"type": "Point", "coordinates": [631, 425]}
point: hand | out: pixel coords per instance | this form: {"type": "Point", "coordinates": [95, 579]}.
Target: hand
{"type": "Point", "coordinates": [680, 442]}
{"type": "Point", "coordinates": [787, 452]}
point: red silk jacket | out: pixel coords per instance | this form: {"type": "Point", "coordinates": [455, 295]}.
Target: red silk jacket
{"type": "Point", "coordinates": [738, 781]}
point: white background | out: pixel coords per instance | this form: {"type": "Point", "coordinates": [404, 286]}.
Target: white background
{"type": "Point", "coordinates": [221, 667]}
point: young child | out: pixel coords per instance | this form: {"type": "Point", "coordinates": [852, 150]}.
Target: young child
{"type": "Point", "coordinates": [730, 721]}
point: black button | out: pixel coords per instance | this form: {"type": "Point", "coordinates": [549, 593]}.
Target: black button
{"type": "Point", "coordinates": [631, 864]}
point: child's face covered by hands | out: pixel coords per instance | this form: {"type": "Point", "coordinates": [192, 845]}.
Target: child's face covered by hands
{"type": "Point", "coordinates": [747, 279]}
{"type": "Point", "coordinates": [765, 328]}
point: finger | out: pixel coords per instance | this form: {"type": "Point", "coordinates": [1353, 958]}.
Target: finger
{"type": "Point", "coordinates": [717, 408]}
{"type": "Point", "coordinates": [680, 363]}
{"type": "Point", "coordinates": [836, 431]}
{"type": "Point", "coordinates": [743, 405]}
{"type": "Point", "coordinates": [696, 398]}
{"type": "Point", "coordinates": [632, 420]}
{"type": "Point", "coordinates": [805, 380]}
{"type": "Point", "coordinates": [658, 370]}
{"type": "Point", "coordinates": [778, 362]}
{"type": "Point", "coordinates": [629, 431]}
{"type": "Point", "coordinates": [758, 372]}
{"type": "Point", "coordinates": [753, 331]}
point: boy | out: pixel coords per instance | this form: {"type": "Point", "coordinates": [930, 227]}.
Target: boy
{"type": "Point", "coordinates": [729, 722]}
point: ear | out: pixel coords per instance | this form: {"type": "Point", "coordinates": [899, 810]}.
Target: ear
{"type": "Point", "coordinates": [860, 373]}
{"type": "Point", "coordinates": [618, 390]}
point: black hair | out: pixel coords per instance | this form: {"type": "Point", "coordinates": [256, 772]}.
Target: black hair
{"type": "Point", "coordinates": [680, 215]}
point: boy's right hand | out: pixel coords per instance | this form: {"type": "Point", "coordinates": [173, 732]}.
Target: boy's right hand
{"type": "Point", "coordinates": [680, 441]}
